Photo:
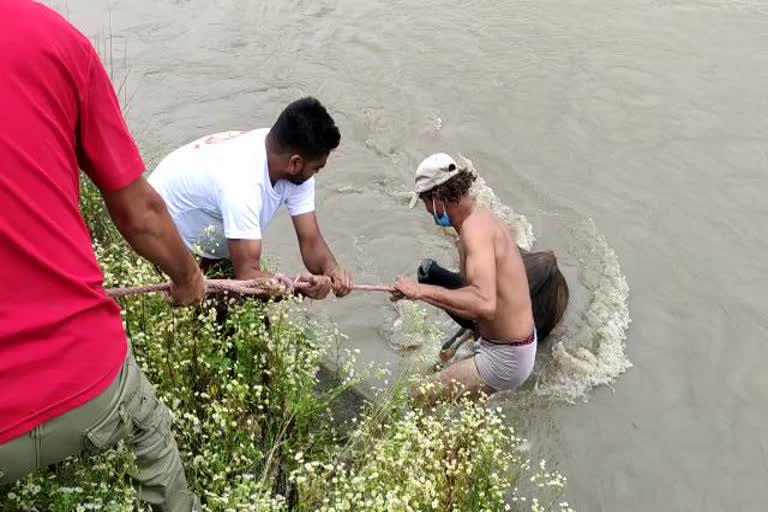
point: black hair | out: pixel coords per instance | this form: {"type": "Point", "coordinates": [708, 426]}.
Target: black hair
{"type": "Point", "coordinates": [305, 127]}
{"type": "Point", "coordinates": [454, 189]}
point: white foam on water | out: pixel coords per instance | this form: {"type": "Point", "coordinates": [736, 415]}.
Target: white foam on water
{"type": "Point", "coordinates": [349, 189]}
{"type": "Point", "coordinates": [487, 198]}
{"type": "Point", "coordinates": [587, 348]}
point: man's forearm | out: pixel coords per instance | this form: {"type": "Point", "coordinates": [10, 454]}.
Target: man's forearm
{"type": "Point", "coordinates": [318, 258]}
{"type": "Point", "coordinates": [151, 233]}
{"type": "Point", "coordinates": [248, 273]}
{"type": "Point", "coordinates": [464, 302]}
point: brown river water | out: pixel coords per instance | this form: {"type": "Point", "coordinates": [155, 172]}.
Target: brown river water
{"type": "Point", "coordinates": [630, 136]}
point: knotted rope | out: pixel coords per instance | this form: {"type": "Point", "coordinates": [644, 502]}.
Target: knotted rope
{"type": "Point", "coordinates": [265, 287]}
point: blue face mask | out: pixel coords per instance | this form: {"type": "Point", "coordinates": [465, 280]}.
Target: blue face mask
{"type": "Point", "coordinates": [443, 220]}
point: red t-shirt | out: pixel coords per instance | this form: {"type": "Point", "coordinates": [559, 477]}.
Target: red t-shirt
{"type": "Point", "coordinates": [61, 339]}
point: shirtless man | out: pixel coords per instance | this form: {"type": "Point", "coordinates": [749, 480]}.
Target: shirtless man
{"type": "Point", "coordinates": [496, 294]}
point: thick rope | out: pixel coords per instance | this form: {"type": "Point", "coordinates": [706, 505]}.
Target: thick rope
{"type": "Point", "coordinates": [257, 287]}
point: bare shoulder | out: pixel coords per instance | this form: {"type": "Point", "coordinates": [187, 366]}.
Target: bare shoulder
{"type": "Point", "coordinates": [481, 218]}
{"type": "Point", "coordinates": [479, 228]}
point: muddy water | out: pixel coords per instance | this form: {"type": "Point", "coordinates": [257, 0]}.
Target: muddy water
{"type": "Point", "coordinates": [631, 135]}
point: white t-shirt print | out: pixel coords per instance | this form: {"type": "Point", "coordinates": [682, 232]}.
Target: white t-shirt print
{"type": "Point", "coordinates": [217, 188]}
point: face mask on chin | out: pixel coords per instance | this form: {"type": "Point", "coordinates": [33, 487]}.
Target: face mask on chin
{"type": "Point", "coordinates": [443, 220]}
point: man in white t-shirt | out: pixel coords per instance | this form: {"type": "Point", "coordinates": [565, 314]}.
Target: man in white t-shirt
{"type": "Point", "coordinates": [222, 191]}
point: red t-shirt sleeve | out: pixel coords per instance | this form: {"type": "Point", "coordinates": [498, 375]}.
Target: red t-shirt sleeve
{"type": "Point", "coordinates": [105, 149]}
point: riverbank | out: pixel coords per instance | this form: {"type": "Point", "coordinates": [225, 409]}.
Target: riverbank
{"type": "Point", "coordinates": [256, 426]}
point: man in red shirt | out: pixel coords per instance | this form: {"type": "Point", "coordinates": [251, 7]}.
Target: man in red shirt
{"type": "Point", "coordinates": [67, 378]}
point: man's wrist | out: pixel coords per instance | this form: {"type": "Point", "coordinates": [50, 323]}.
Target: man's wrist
{"type": "Point", "coordinates": [188, 275]}
{"type": "Point", "coordinates": [422, 291]}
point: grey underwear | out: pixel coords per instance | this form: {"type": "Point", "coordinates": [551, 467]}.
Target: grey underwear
{"type": "Point", "coordinates": [504, 366]}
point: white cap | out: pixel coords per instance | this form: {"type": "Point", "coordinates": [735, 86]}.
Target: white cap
{"type": "Point", "coordinates": [433, 171]}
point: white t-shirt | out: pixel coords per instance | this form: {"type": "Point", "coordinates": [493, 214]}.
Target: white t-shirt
{"type": "Point", "coordinates": [218, 188]}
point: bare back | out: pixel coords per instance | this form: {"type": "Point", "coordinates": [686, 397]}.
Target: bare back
{"type": "Point", "coordinates": [514, 317]}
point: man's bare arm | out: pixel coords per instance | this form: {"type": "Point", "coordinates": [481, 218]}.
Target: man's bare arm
{"type": "Point", "coordinates": [477, 300]}
{"type": "Point", "coordinates": [142, 218]}
{"type": "Point", "coordinates": [315, 252]}
{"type": "Point", "coordinates": [246, 259]}
{"type": "Point", "coordinates": [317, 255]}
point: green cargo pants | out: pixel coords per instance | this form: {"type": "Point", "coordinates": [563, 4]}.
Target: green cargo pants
{"type": "Point", "coordinates": [128, 409]}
